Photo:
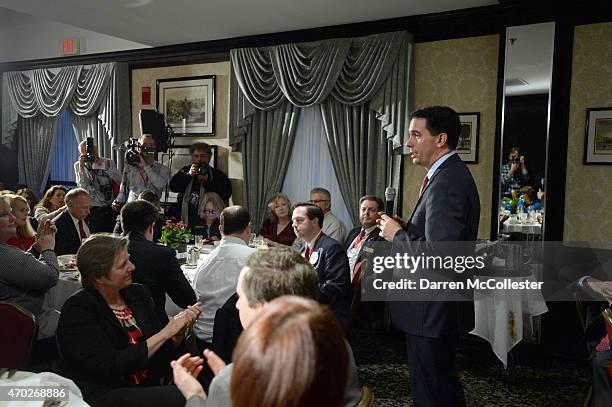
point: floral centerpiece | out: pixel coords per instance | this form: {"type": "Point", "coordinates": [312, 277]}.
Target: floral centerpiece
{"type": "Point", "coordinates": [513, 203]}
{"type": "Point", "coordinates": [175, 234]}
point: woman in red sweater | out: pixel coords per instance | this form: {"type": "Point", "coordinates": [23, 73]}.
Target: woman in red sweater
{"type": "Point", "coordinates": [26, 236]}
{"type": "Point", "coordinates": [277, 229]}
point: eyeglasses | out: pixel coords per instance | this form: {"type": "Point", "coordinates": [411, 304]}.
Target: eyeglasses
{"type": "Point", "coordinates": [316, 201]}
{"type": "Point", "coordinates": [210, 211]}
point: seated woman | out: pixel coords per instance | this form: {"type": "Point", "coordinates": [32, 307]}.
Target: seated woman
{"type": "Point", "coordinates": [25, 277]}
{"type": "Point", "coordinates": [210, 209]}
{"type": "Point", "coordinates": [25, 236]}
{"type": "Point", "coordinates": [529, 196]}
{"type": "Point", "coordinates": [277, 229]}
{"type": "Point", "coordinates": [111, 340]}
{"type": "Point", "coordinates": [51, 205]}
{"type": "Point", "coordinates": [292, 354]}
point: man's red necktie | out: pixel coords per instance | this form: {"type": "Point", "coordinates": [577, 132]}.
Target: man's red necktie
{"type": "Point", "coordinates": [423, 185]}
{"type": "Point", "coordinates": [82, 231]}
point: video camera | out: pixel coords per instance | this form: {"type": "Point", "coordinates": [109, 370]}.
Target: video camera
{"type": "Point", "coordinates": [203, 169]}
{"type": "Point", "coordinates": [134, 151]}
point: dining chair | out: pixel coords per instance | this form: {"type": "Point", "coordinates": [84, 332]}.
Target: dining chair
{"type": "Point", "coordinates": [607, 316]}
{"type": "Point", "coordinates": [17, 336]}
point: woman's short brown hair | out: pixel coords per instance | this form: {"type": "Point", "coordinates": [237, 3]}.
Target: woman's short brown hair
{"type": "Point", "coordinates": [96, 256]}
{"type": "Point", "coordinates": [271, 214]}
{"type": "Point", "coordinates": [293, 354]}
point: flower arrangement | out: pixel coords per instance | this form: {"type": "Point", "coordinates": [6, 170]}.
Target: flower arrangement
{"type": "Point", "coordinates": [514, 203]}
{"type": "Point", "coordinates": [175, 234]}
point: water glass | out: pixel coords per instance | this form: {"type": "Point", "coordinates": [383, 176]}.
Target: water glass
{"type": "Point", "coordinates": [198, 240]}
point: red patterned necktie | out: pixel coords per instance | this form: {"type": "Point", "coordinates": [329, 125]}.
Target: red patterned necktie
{"type": "Point", "coordinates": [307, 253]}
{"type": "Point", "coordinates": [359, 239]}
{"type": "Point", "coordinates": [82, 230]}
{"type": "Point", "coordinates": [423, 185]}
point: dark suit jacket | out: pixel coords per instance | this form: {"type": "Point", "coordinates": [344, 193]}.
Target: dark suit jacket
{"type": "Point", "coordinates": [334, 277]}
{"type": "Point", "coordinates": [67, 239]}
{"type": "Point", "coordinates": [227, 329]}
{"type": "Point", "coordinates": [158, 269]}
{"type": "Point", "coordinates": [95, 348]}
{"type": "Point", "coordinates": [448, 210]}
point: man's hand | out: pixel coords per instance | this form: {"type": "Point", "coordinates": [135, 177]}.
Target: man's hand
{"type": "Point", "coordinates": [215, 363]}
{"type": "Point", "coordinates": [185, 370]}
{"type": "Point", "coordinates": [603, 288]}
{"type": "Point", "coordinates": [193, 171]}
{"type": "Point", "coordinates": [82, 161]}
{"type": "Point", "coordinates": [116, 206]}
{"type": "Point", "coordinates": [389, 227]}
{"type": "Point", "coordinates": [141, 161]}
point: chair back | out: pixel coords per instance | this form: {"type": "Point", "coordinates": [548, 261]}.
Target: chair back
{"type": "Point", "coordinates": [607, 316]}
{"type": "Point", "coordinates": [17, 335]}
{"type": "Point", "coordinates": [356, 283]}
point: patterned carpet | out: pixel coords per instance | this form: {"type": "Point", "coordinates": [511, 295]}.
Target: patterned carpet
{"type": "Point", "coordinates": [537, 379]}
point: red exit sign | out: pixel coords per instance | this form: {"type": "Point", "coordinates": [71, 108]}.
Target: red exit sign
{"type": "Point", "coordinates": [70, 46]}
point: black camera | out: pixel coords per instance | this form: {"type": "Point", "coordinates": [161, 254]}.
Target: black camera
{"type": "Point", "coordinates": [89, 155]}
{"type": "Point", "coordinates": [203, 169]}
{"type": "Point", "coordinates": [515, 160]}
{"type": "Point", "coordinates": [132, 153]}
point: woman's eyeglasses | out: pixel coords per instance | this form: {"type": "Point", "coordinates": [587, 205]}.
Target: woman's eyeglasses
{"type": "Point", "coordinates": [210, 211]}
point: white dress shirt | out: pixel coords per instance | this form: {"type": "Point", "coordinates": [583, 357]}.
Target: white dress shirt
{"type": "Point", "coordinates": [354, 253]}
{"type": "Point", "coordinates": [76, 226]}
{"type": "Point", "coordinates": [215, 281]}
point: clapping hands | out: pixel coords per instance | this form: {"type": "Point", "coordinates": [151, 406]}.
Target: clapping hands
{"type": "Point", "coordinates": [45, 236]}
{"type": "Point", "coordinates": [183, 321]}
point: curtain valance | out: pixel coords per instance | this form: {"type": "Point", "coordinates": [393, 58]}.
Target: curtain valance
{"type": "Point", "coordinates": [49, 91]}
{"type": "Point", "coordinates": [352, 70]}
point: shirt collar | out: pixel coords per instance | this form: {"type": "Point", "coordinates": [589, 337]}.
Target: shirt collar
{"type": "Point", "coordinates": [369, 230]}
{"type": "Point", "coordinates": [438, 163]}
{"type": "Point", "coordinates": [312, 243]}
{"type": "Point", "coordinates": [232, 239]}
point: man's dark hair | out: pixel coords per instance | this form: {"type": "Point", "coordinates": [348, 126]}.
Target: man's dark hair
{"type": "Point", "coordinates": [312, 211]}
{"type": "Point", "coordinates": [138, 215]}
{"type": "Point", "coordinates": [234, 219]}
{"type": "Point", "coordinates": [441, 119]}
{"type": "Point", "coordinates": [199, 146]}
{"type": "Point", "coordinates": [379, 202]}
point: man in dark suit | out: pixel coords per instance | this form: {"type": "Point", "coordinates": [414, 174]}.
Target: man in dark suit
{"type": "Point", "coordinates": [156, 266]}
{"type": "Point", "coordinates": [369, 208]}
{"type": "Point", "coordinates": [448, 209]}
{"type": "Point", "coordinates": [72, 228]}
{"type": "Point", "coordinates": [328, 258]}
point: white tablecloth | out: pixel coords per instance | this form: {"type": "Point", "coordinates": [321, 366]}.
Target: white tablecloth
{"type": "Point", "coordinates": [531, 228]}
{"type": "Point", "coordinates": [67, 285]}
{"type": "Point", "coordinates": [499, 315]}
{"type": "Point", "coordinates": [171, 308]}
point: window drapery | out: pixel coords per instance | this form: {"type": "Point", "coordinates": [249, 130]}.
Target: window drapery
{"type": "Point", "coordinates": [362, 88]}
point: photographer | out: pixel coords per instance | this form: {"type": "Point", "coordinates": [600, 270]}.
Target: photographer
{"type": "Point", "coordinates": [514, 175]}
{"type": "Point", "coordinates": [96, 175]}
{"type": "Point", "coordinates": [193, 181]}
{"type": "Point", "coordinates": [141, 173]}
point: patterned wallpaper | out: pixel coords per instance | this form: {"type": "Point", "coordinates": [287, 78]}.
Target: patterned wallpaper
{"type": "Point", "coordinates": [462, 74]}
{"type": "Point", "coordinates": [588, 203]}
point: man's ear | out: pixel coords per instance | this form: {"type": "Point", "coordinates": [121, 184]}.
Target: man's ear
{"type": "Point", "coordinates": [443, 139]}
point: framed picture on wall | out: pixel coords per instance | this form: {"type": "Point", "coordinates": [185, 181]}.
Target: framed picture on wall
{"type": "Point", "coordinates": [188, 104]}
{"type": "Point", "coordinates": [180, 157]}
{"type": "Point", "coordinates": [467, 147]}
{"type": "Point", "coordinates": [598, 137]}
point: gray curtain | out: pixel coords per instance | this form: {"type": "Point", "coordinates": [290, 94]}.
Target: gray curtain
{"type": "Point", "coordinates": [268, 148]}
{"type": "Point", "coordinates": [89, 92]}
{"type": "Point", "coordinates": [362, 87]}
{"type": "Point", "coordinates": [35, 146]}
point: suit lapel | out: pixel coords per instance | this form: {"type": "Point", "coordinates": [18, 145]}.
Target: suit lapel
{"type": "Point", "coordinates": [442, 166]}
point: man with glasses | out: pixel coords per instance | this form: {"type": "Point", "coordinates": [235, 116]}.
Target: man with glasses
{"type": "Point", "coordinates": [332, 226]}
{"type": "Point", "coordinates": [193, 181]}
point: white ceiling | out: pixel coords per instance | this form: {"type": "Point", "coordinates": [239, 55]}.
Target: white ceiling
{"type": "Point", "coordinates": [166, 22]}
